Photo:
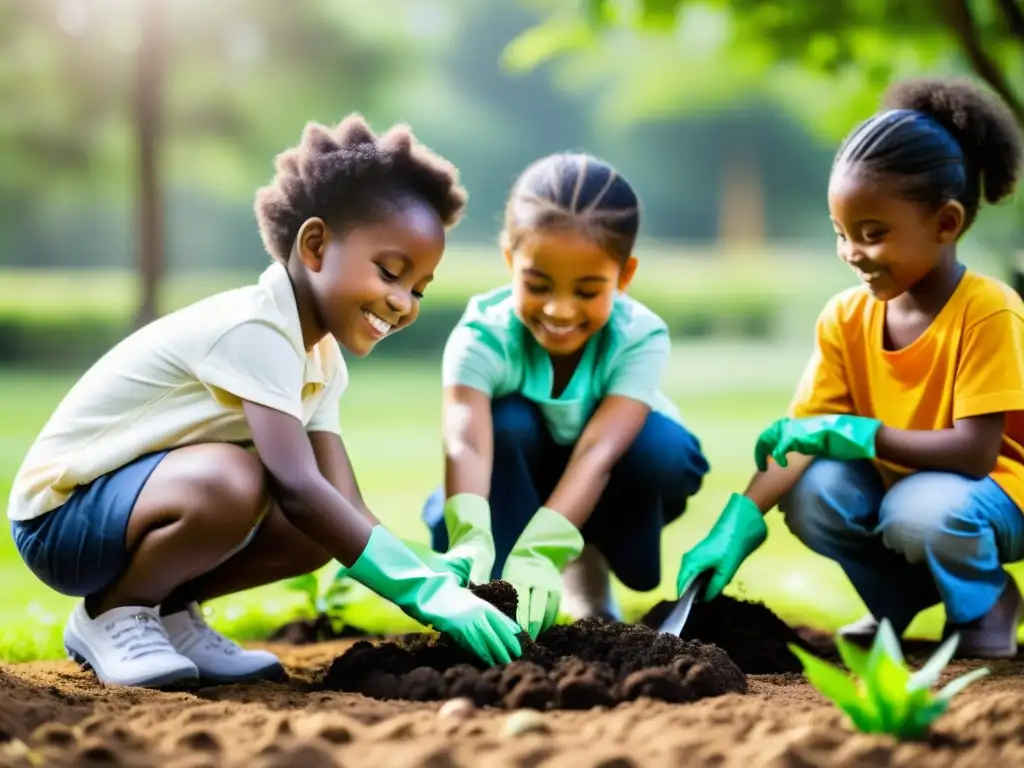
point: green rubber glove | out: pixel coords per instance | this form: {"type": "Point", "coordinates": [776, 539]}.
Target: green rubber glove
{"type": "Point", "coordinates": [844, 438]}
{"type": "Point", "coordinates": [440, 562]}
{"type": "Point", "coordinates": [390, 569]}
{"type": "Point", "coordinates": [467, 517]}
{"type": "Point", "coordinates": [739, 530]}
{"type": "Point", "coordinates": [534, 568]}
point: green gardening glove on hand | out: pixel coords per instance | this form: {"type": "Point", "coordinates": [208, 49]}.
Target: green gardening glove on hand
{"type": "Point", "coordinates": [467, 518]}
{"type": "Point", "coordinates": [534, 568]}
{"type": "Point", "coordinates": [740, 530]}
{"type": "Point", "coordinates": [844, 438]}
{"type": "Point", "coordinates": [470, 554]}
{"type": "Point", "coordinates": [390, 569]}
{"type": "Point", "coordinates": [440, 562]}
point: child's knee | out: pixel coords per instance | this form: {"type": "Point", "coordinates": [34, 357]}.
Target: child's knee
{"type": "Point", "coordinates": [823, 501]}
{"type": "Point", "coordinates": [665, 454]}
{"type": "Point", "coordinates": [932, 514]}
{"type": "Point", "coordinates": [516, 422]}
{"type": "Point", "coordinates": [227, 490]}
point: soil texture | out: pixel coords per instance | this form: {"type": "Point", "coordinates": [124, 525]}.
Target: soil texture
{"type": "Point", "coordinates": [754, 637]}
{"type": "Point", "coordinates": [586, 664]}
{"type": "Point", "coordinates": [55, 715]}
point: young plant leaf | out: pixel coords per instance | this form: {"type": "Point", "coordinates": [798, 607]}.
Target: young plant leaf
{"type": "Point", "coordinates": [881, 695]}
{"type": "Point", "coordinates": [307, 585]}
{"type": "Point", "coordinates": [919, 720]}
{"type": "Point", "coordinates": [831, 681]}
{"type": "Point", "coordinates": [340, 594]}
{"type": "Point", "coordinates": [853, 656]}
{"type": "Point", "coordinates": [954, 687]}
{"type": "Point", "coordinates": [928, 675]}
{"type": "Point", "coordinates": [890, 642]}
{"type": "Point", "coordinates": [887, 687]}
{"type": "Point", "coordinates": [864, 715]}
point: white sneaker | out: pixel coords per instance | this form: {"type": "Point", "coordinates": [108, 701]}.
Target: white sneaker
{"type": "Point", "coordinates": [126, 646]}
{"type": "Point", "coordinates": [218, 659]}
{"type": "Point", "coordinates": [587, 587]}
{"type": "Point", "coordinates": [862, 631]}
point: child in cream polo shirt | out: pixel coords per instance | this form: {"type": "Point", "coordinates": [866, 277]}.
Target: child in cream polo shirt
{"type": "Point", "coordinates": [141, 496]}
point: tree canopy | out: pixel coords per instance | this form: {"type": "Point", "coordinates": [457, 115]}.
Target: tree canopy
{"type": "Point", "coordinates": [826, 61]}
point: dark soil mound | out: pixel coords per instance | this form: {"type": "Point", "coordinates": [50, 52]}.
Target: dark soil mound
{"type": "Point", "coordinates": [589, 663]}
{"type": "Point", "coordinates": [753, 636]}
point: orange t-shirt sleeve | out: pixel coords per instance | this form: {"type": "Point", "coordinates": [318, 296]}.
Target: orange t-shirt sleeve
{"type": "Point", "coordinates": [990, 374]}
{"type": "Point", "coordinates": [823, 388]}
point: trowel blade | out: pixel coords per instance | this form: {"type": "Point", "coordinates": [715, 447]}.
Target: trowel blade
{"type": "Point", "coordinates": [676, 620]}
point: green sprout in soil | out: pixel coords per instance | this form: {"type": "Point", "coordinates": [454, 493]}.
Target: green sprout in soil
{"type": "Point", "coordinates": [325, 604]}
{"type": "Point", "coordinates": [882, 695]}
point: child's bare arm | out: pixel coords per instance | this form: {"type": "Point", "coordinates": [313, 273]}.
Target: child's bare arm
{"type": "Point", "coordinates": [468, 441]}
{"type": "Point", "coordinates": [333, 462]}
{"type": "Point", "coordinates": [607, 436]}
{"type": "Point", "coordinates": [309, 501]}
{"type": "Point", "coordinates": [767, 488]}
{"type": "Point", "coordinates": [970, 447]}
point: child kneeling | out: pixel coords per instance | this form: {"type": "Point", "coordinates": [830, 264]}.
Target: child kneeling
{"type": "Point", "coordinates": [902, 459]}
{"type": "Point", "coordinates": [555, 432]}
{"type": "Point", "coordinates": [140, 495]}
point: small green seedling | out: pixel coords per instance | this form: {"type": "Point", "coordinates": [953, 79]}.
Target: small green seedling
{"type": "Point", "coordinates": [882, 695]}
{"type": "Point", "coordinates": [331, 602]}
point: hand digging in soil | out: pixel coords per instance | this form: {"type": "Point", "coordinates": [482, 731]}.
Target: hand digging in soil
{"type": "Point", "coordinates": [589, 663]}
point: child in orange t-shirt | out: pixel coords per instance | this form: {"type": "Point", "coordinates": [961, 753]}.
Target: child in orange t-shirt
{"type": "Point", "coordinates": [902, 456]}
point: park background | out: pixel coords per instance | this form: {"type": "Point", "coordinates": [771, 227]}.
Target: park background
{"type": "Point", "coordinates": [133, 134]}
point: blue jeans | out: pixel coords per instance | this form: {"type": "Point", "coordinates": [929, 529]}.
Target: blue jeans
{"type": "Point", "coordinates": [932, 536]}
{"type": "Point", "coordinates": [648, 489]}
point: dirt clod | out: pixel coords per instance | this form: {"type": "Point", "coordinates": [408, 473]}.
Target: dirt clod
{"type": "Point", "coordinates": [525, 721]}
{"type": "Point", "coordinates": [753, 636]}
{"type": "Point", "coordinates": [585, 664]}
{"type": "Point", "coordinates": [461, 708]}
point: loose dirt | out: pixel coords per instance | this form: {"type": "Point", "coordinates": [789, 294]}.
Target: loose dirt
{"type": "Point", "coordinates": [586, 664]}
{"type": "Point", "coordinates": [53, 714]}
{"type": "Point", "coordinates": [752, 635]}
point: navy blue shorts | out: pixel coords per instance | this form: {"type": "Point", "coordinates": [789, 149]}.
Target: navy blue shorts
{"type": "Point", "coordinates": [79, 548]}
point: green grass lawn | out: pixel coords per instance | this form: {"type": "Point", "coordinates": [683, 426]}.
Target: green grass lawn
{"type": "Point", "coordinates": [727, 391]}
{"type": "Point", "coordinates": [390, 419]}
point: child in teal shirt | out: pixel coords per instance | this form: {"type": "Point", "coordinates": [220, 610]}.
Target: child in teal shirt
{"type": "Point", "coordinates": [555, 431]}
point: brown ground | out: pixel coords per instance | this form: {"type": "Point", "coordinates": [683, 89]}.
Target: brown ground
{"type": "Point", "coordinates": [53, 714]}
{"type": "Point", "coordinates": [587, 664]}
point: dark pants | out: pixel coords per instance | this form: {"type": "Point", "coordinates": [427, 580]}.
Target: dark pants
{"type": "Point", "coordinates": [648, 489]}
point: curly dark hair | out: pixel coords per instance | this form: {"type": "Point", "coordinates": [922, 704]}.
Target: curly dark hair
{"type": "Point", "coordinates": [348, 176]}
{"type": "Point", "coordinates": [573, 191]}
{"type": "Point", "coordinates": [948, 139]}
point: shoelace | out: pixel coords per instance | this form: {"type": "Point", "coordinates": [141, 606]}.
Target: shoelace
{"type": "Point", "coordinates": [212, 641]}
{"type": "Point", "coordinates": [138, 636]}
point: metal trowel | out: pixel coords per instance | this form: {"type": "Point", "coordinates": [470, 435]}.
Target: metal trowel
{"type": "Point", "coordinates": [676, 620]}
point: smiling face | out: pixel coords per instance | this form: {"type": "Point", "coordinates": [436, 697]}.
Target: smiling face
{"type": "Point", "coordinates": [891, 243]}
{"type": "Point", "coordinates": [564, 286]}
{"type": "Point", "coordinates": [369, 283]}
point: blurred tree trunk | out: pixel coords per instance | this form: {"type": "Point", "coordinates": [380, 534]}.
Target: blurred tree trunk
{"type": "Point", "coordinates": [741, 223]}
{"type": "Point", "coordinates": [148, 103]}
{"type": "Point", "coordinates": [965, 26]}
